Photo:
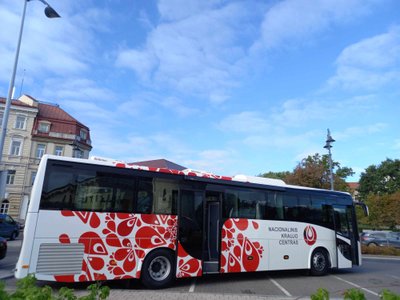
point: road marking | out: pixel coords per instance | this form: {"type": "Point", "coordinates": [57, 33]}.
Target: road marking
{"type": "Point", "coordinates": [395, 277]}
{"type": "Point", "coordinates": [356, 285]}
{"type": "Point", "coordinates": [280, 287]}
{"type": "Point", "coordinates": [192, 286]}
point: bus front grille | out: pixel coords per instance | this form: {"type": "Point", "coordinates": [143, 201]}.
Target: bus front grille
{"type": "Point", "coordinates": [60, 259]}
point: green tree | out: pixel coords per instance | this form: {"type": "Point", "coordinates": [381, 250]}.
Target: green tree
{"type": "Point", "coordinates": [276, 175]}
{"type": "Point", "coordinates": [384, 210]}
{"type": "Point", "coordinates": [313, 171]}
{"type": "Point", "coordinates": [380, 179]}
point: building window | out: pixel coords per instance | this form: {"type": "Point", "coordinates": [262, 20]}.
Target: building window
{"type": "Point", "coordinates": [83, 134]}
{"type": "Point", "coordinates": [20, 122]}
{"type": "Point", "coordinates": [16, 146]}
{"type": "Point", "coordinates": [79, 153]}
{"type": "Point", "coordinates": [44, 127]}
{"type": "Point", "coordinates": [1, 118]}
{"type": "Point", "coordinates": [33, 176]}
{"type": "Point", "coordinates": [10, 177]}
{"type": "Point", "coordinates": [59, 150]}
{"type": "Point", "coordinates": [5, 205]}
{"type": "Point", "coordinates": [40, 150]}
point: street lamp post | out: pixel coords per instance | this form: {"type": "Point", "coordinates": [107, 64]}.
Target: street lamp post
{"type": "Point", "coordinates": [50, 13]}
{"type": "Point", "coordinates": [328, 146]}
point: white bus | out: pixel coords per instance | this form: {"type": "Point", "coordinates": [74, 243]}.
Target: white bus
{"type": "Point", "coordinates": [99, 220]}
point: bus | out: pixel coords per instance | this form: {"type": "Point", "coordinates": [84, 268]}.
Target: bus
{"type": "Point", "coordinates": [98, 219]}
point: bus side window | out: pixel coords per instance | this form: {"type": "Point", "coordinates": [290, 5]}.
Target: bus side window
{"type": "Point", "coordinates": [304, 207]}
{"type": "Point", "coordinates": [58, 189]}
{"type": "Point", "coordinates": [274, 208]}
{"type": "Point", "coordinates": [165, 196]}
{"type": "Point", "coordinates": [144, 196]}
{"type": "Point", "coordinates": [230, 206]}
{"type": "Point", "coordinates": [290, 206]}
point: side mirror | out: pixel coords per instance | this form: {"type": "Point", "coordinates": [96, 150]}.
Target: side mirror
{"type": "Point", "coordinates": [364, 207]}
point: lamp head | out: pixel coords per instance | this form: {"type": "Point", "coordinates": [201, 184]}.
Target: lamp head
{"type": "Point", "coordinates": [50, 12]}
{"type": "Point", "coordinates": [330, 139]}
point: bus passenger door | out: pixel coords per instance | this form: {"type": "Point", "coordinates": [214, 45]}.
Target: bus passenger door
{"type": "Point", "coordinates": [190, 237]}
{"type": "Point", "coordinates": [346, 243]}
{"type": "Point", "coordinates": [213, 232]}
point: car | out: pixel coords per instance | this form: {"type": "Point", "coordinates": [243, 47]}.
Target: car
{"type": "Point", "coordinates": [3, 247]}
{"type": "Point", "coordinates": [381, 238]}
{"type": "Point", "coordinates": [9, 228]}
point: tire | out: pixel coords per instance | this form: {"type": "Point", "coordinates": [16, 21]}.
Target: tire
{"type": "Point", "coordinates": [158, 270]}
{"type": "Point", "coordinates": [372, 245]}
{"type": "Point", "coordinates": [319, 262]}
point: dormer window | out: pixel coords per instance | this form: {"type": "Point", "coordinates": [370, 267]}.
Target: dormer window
{"type": "Point", "coordinates": [44, 127]}
{"type": "Point", "coordinates": [83, 134]}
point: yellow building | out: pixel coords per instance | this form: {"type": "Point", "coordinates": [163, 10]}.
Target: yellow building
{"type": "Point", "coordinates": [35, 128]}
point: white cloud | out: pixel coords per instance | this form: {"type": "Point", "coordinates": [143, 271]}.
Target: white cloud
{"type": "Point", "coordinates": [212, 160]}
{"type": "Point", "coordinates": [396, 145]}
{"type": "Point", "coordinates": [352, 132]}
{"type": "Point", "coordinates": [77, 88]}
{"type": "Point", "coordinates": [370, 63]}
{"type": "Point", "coordinates": [172, 10]}
{"type": "Point", "coordinates": [244, 122]}
{"type": "Point", "coordinates": [293, 21]}
{"type": "Point", "coordinates": [196, 52]}
{"type": "Point", "coordinates": [57, 47]}
{"type": "Point", "coordinates": [176, 105]}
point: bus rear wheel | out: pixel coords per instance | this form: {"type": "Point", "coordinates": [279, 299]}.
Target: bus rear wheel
{"type": "Point", "coordinates": [158, 269]}
{"type": "Point", "coordinates": [319, 262]}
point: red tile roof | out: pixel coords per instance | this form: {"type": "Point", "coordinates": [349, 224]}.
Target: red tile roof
{"type": "Point", "coordinates": [353, 185]}
{"type": "Point", "coordinates": [61, 122]}
{"type": "Point", "coordinates": [160, 163]}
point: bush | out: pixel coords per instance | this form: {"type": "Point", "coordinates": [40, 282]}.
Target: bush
{"type": "Point", "coordinates": [380, 250]}
{"type": "Point", "coordinates": [321, 294]}
{"type": "Point", "coordinates": [353, 294]}
{"type": "Point", "coordinates": [28, 289]}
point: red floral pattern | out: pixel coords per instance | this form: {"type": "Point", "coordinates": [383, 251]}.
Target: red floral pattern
{"type": "Point", "coordinates": [239, 253]}
{"type": "Point", "coordinates": [116, 243]}
{"type": "Point", "coordinates": [187, 266]}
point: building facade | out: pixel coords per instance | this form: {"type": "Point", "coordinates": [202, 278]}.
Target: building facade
{"type": "Point", "coordinates": [34, 129]}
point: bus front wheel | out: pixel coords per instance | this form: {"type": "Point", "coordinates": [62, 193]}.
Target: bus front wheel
{"type": "Point", "coordinates": [158, 269]}
{"type": "Point", "coordinates": [319, 262]}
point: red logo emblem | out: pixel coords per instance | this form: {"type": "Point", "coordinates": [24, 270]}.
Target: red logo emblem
{"type": "Point", "coordinates": [310, 235]}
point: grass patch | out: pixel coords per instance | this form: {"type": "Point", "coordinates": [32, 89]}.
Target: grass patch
{"type": "Point", "coordinates": [380, 250]}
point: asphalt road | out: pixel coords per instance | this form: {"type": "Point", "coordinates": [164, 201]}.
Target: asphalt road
{"type": "Point", "coordinates": [375, 275]}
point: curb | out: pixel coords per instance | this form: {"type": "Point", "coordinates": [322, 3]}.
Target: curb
{"type": "Point", "coordinates": [382, 257]}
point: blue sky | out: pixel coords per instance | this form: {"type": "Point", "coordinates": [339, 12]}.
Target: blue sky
{"type": "Point", "coordinates": [224, 86]}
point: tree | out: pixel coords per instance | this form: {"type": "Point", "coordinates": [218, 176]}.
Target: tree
{"type": "Point", "coordinates": [380, 179]}
{"type": "Point", "coordinates": [276, 175]}
{"type": "Point", "coordinates": [384, 210]}
{"type": "Point", "coordinates": [313, 171]}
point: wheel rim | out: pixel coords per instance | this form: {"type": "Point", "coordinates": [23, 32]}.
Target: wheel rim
{"type": "Point", "coordinates": [159, 268]}
{"type": "Point", "coordinates": [319, 261]}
